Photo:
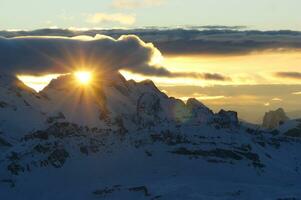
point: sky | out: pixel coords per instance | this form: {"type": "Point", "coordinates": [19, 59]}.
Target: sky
{"type": "Point", "coordinates": [230, 53]}
{"type": "Point", "coordinates": [255, 14]}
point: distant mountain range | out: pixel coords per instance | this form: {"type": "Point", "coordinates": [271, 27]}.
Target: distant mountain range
{"type": "Point", "coordinates": [294, 114]}
{"type": "Point", "coordinates": [123, 139]}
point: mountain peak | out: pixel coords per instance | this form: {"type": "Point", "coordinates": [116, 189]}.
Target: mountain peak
{"type": "Point", "coordinates": [273, 119]}
{"type": "Point", "coordinates": [62, 82]}
{"type": "Point", "coordinates": [193, 103]}
{"type": "Point", "coordinates": [12, 81]}
{"type": "Point", "coordinates": [115, 124]}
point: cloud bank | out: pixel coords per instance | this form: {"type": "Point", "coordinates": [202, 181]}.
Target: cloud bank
{"type": "Point", "coordinates": [215, 40]}
{"type": "Point", "coordinates": [290, 75]}
{"type": "Point", "coordinates": [46, 55]}
{"type": "Point", "coordinates": [59, 54]}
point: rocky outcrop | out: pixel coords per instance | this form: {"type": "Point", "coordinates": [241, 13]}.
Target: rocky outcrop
{"type": "Point", "coordinates": [294, 132]}
{"type": "Point", "coordinates": [199, 112]}
{"type": "Point", "coordinates": [225, 119]}
{"type": "Point", "coordinates": [273, 119]}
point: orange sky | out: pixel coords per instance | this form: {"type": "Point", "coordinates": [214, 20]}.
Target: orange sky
{"type": "Point", "coordinates": [253, 69]}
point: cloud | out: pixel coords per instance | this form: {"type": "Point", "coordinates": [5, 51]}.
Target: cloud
{"type": "Point", "coordinates": [296, 93]}
{"type": "Point", "coordinates": [214, 40]}
{"type": "Point", "coordinates": [48, 55]}
{"type": "Point", "coordinates": [204, 97]}
{"type": "Point", "coordinates": [201, 96]}
{"type": "Point", "coordinates": [217, 27]}
{"type": "Point", "coordinates": [277, 99]}
{"type": "Point", "coordinates": [132, 4]}
{"type": "Point", "coordinates": [31, 55]}
{"type": "Point", "coordinates": [205, 76]}
{"type": "Point", "coordinates": [267, 104]}
{"type": "Point", "coordinates": [289, 75]}
{"type": "Point", "coordinates": [99, 18]}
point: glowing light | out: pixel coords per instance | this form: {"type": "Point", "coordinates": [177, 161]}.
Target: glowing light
{"type": "Point", "coordinates": [277, 99]}
{"type": "Point", "coordinates": [37, 83]}
{"type": "Point", "coordinates": [83, 77]}
{"type": "Point", "coordinates": [296, 93]}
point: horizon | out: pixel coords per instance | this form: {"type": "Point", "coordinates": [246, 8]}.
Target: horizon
{"type": "Point", "coordinates": [237, 61]}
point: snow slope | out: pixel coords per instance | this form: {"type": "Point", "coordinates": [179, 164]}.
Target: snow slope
{"type": "Point", "coordinates": [130, 141]}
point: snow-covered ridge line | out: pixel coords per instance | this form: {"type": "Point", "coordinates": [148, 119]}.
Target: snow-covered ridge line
{"type": "Point", "coordinates": [126, 140]}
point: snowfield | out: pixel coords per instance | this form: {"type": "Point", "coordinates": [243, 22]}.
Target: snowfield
{"type": "Point", "coordinates": [131, 141]}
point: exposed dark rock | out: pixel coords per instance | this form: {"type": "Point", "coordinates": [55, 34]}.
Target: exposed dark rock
{"type": "Point", "coordinates": [41, 148]}
{"type": "Point", "coordinates": [149, 154]}
{"type": "Point", "coordinates": [148, 109]}
{"type": "Point", "coordinates": [59, 116]}
{"type": "Point", "coordinates": [14, 156]}
{"type": "Point", "coordinates": [226, 119]}
{"type": "Point", "coordinates": [295, 132]}
{"type": "Point", "coordinates": [140, 189]}
{"type": "Point", "coordinates": [106, 190]}
{"type": "Point", "coordinates": [15, 168]}
{"type": "Point", "coordinates": [221, 153]}
{"type": "Point", "coordinates": [3, 104]}
{"type": "Point", "coordinates": [43, 135]}
{"type": "Point", "coordinates": [84, 150]}
{"type": "Point", "coordinates": [58, 130]}
{"type": "Point", "coordinates": [120, 124]}
{"type": "Point", "coordinates": [4, 143]}
{"type": "Point", "coordinates": [169, 138]}
{"type": "Point", "coordinates": [58, 157]}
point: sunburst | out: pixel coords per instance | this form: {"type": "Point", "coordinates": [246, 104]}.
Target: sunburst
{"type": "Point", "coordinates": [83, 77]}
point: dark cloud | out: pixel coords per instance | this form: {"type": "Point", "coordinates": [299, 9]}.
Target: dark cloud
{"type": "Point", "coordinates": [41, 55]}
{"type": "Point", "coordinates": [220, 27]}
{"type": "Point", "coordinates": [221, 40]}
{"type": "Point", "coordinates": [61, 54]}
{"type": "Point", "coordinates": [205, 76]}
{"type": "Point", "coordinates": [290, 75]}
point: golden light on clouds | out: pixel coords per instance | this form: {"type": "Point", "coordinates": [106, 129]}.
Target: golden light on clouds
{"type": "Point", "coordinates": [277, 99]}
{"type": "Point", "coordinates": [37, 83]}
{"type": "Point", "coordinates": [253, 69]}
{"type": "Point", "coordinates": [250, 69]}
{"type": "Point", "coordinates": [296, 93]}
{"type": "Point", "coordinates": [170, 81]}
{"type": "Point", "coordinates": [204, 97]}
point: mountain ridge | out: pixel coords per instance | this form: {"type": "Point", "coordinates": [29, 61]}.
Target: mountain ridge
{"type": "Point", "coordinates": [128, 140]}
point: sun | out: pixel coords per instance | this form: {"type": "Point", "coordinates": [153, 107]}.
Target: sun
{"type": "Point", "coordinates": [83, 77]}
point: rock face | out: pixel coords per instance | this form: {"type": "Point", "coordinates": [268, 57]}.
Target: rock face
{"type": "Point", "coordinates": [273, 119]}
{"type": "Point", "coordinates": [226, 119]}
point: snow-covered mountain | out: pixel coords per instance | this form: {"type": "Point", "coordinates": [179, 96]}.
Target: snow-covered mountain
{"type": "Point", "coordinates": [127, 140]}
